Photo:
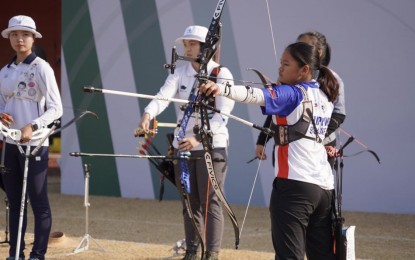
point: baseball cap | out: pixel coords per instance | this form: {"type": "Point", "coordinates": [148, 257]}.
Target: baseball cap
{"type": "Point", "coordinates": [194, 32]}
{"type": "Point", "coordinates": [21, 23]}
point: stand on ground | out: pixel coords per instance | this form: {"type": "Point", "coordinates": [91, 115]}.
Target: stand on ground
{"type": "Point", "coordinates": [84, 244]}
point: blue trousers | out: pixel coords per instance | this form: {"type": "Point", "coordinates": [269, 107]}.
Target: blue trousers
{"type": "Point", "coordinates": [37, 194]}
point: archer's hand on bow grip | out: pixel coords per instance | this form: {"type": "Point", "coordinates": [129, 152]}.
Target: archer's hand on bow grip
{"type": "Point", "coordinates": [210, 89]}
{"type": "Point", "coordinates": [139, 132]}
{"type": "Point", "coordinates": [143, 126]}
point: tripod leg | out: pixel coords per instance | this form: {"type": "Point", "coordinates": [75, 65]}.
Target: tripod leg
{"type": "Point", "coordinates": [84, 244]}
{"type": "Point", "coordinates": [96, 243]}
{"type": "Point", "coordinates": [6, 232]}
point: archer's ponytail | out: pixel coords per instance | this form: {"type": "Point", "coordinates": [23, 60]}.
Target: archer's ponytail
{"type": "Point", "coordinates": [306, 54]}
{"type": "Point", "coordinates": [328, 83]}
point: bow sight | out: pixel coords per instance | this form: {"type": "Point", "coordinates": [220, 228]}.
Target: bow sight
{"type": "Point", "coordinates": [175, 57]}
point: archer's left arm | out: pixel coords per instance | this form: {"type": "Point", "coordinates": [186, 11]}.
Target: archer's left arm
{"type": "Point", "coordinates": [222, 103]}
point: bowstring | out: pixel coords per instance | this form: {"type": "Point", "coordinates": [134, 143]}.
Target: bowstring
{"type": "Point", "coordinates": [267, 138]}
{"type": "Point", "coordinates": [355, 139]}
{"type": "Point", "coordinates": [272, 32]}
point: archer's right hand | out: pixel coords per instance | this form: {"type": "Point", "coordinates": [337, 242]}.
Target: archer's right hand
{"type": "Point", "coordinates": [260, 152]}
{"type": "Point", "coordinates": [6, 119]}
{"type": "Point", "coordinates": [143, 126]}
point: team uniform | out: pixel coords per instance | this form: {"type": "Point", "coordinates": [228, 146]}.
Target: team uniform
{"type": "Point", "coordinates": [30, 94]}
{"type": "Point", "coordinates": [180, 85]}
{"type": "Point", "coordinates": [337, 118]}
{"type": "Point", "coordinates": [287, 109]}
{"type": "Point", "coordinates": [302, 190]}
{"type": "Point", "coordinates": [300, 203]}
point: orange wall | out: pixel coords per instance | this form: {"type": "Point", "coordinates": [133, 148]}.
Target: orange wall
{"type": "Point", "coordinates": [47, 15]}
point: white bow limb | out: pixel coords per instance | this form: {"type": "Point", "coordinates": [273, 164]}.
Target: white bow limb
{"type": "Point", "coordinates": [14, 134]}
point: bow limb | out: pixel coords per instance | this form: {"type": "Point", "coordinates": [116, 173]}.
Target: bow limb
{"type": "Point", "coordinates": [75, 119]}
{"type": "Point", "coordinates": [265, 81]}
{"type": "Point", "coordinates": [216, 56]}
{"type": "Point", "coordinates": [209, 48]}
{"type": "Point", "coordinates": [366, 148]}
{"type": "Point", "coordinates": [374, 154]}
{"type": "Point", "coordinates": [15, 134]}
{"type": "Point", "coordinates": [42, 132]}
{"type": "Point", "coordinates": [206, 142]}
{"type": "Point", "coordinates": [215, 71]}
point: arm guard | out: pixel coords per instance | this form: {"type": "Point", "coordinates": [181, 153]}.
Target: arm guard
{"type": "Point", "coordinates": [262, 137]}
{"type": "Point", "coordinates": [335, 121]}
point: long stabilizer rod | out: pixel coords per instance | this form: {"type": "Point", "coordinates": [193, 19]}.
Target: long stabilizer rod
{"type": "Point", "coordinates": [166, 157]}
{"type": "Point", "coordinates": [129, 94]}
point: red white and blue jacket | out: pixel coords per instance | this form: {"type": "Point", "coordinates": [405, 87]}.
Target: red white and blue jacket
{"type": "Point", "coordinates": [304, 159]}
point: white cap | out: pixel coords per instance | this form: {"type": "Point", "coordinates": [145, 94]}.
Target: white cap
{"type": "Point", "coordinates": [21, 23]}
{"type": "Point", "coordinates": [194, 32]}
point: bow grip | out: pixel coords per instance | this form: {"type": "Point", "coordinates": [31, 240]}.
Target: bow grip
{"type": "Point", "coordinates": [207, 99]}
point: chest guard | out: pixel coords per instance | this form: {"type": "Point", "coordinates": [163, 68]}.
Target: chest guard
{"type": "Point", "coordinates": [285, 134]}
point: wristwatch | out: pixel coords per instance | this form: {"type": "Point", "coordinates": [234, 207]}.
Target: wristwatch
{"type": "Point", "coordinates": [35, 127]}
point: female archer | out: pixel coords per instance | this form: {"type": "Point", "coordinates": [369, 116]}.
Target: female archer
{"type": "Point", "coordinates": [29, 100]}
{"type": "Point", "coordinates": [300, 205]}
{"type": "Point", "coordinates": [204, 203]}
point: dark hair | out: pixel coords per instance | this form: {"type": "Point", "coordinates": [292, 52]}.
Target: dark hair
{"type": "Point", "coordinates": [321, 44]}
{"type": "Point", "coordinates": [305, 54]}
{"type": "Point", "coordinates": [39, 51]}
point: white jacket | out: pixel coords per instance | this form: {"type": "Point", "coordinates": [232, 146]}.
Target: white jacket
{"type": "Point", "coordinates": [179, 85]}
{"type": "Point", "coordinates": [29, 93]}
